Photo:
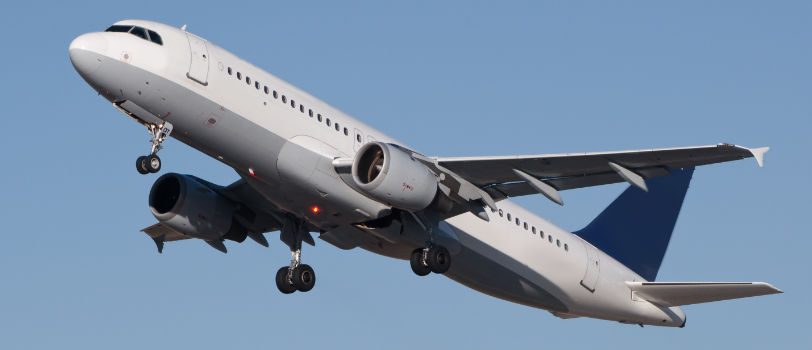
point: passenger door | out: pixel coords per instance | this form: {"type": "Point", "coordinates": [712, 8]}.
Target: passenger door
{"type": "Point", "coordinates": [593, 268]}
{"type": "Point", "coordinates": [199, 67]}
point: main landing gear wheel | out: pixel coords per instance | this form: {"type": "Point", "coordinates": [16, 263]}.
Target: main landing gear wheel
{"type": "Point", "coordinates": [141, 165]}
{"type": "Point", "coordinates": [438, 259]}
{"type": "Point", "coordinates": [303, 278]}
{"type": "Point", "coordinates": [153, 163]}
{"type": "Point", "coordinates": [282, 281]}
{"type": "Point", "coordinates": [418, 267]}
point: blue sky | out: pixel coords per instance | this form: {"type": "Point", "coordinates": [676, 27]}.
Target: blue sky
{"type": "Point", "coordinates": [450, 79]}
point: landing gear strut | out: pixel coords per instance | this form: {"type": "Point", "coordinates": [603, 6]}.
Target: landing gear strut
{"type": "Point", "coordinates": [151, 163]}
{"type": "Point", "coordinates": [297, 276]}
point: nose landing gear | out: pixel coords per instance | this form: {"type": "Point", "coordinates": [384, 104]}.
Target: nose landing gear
{"type": "Point", "coordinates": [151, 163]}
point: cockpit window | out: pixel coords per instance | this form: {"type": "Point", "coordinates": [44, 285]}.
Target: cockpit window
{"type": "Point", "coordinates": [139, 32]}
{"type": "Point", "coordinates": [154, 37]}
{"type": "Point", "coordinates": [118, 29]}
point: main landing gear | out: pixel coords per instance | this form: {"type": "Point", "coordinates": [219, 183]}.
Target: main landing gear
{"type": "Point", "coordinates": [427, 260]}
{"type": "Point", "coordinates": [151, 163]}
{"type": "Point", "coordinates": [297, 276]}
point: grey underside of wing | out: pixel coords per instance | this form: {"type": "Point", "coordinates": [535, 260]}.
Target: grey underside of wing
{"type": "Point", "coordinates": [577, 170]}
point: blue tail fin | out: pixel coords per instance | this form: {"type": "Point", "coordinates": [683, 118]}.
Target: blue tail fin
{"type": "Point", "coordinates": [636, 228]}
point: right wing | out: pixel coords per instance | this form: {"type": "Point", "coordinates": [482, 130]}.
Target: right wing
{"type": "Point", "coordinates": [687, 293]}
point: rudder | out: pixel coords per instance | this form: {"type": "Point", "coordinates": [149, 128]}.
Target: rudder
{"type": "Point", "coordinates": [636, 228]}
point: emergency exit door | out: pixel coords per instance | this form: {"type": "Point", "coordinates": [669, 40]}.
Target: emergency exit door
{"type": "Point", "coordinates": [199, 67]}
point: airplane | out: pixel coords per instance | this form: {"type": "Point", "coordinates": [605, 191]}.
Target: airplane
{"type": "Point", "coordinates": [307, 168]}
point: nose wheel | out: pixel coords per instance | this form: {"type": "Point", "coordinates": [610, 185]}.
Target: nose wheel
{"type": "Point", "coordinates": [152, 163]}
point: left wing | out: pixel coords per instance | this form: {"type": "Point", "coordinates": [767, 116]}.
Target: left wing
{"type": "Point", "coordinates": [512, 176]}
{"type": "Point", "coordinates": [687, 293]}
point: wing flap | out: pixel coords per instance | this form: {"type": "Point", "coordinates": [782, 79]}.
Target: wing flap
{"type": "Point", "coordinates": [687, 293]}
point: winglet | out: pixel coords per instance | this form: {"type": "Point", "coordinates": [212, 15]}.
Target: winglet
{"type": "Point", "coordinates": [758, 153]}
{"type": "Point", "coordinates": [159, 241]}
{"type": "Point", "coordinates": [543, 188]}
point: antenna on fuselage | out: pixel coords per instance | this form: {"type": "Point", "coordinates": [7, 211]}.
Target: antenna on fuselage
{"type": "Point", "coordinates": [183, 28]}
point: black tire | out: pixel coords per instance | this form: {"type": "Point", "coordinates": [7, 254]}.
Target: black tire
{"type": "Point", "coordinates": [416, 261]}
{"type": "Point", "coordinates": [141, 165]}
{"type": "Point", "coordinates": [282, 281]}
{"type": "Point", "coordinates": [439, 260]}
{"type": "Point", "coordinates": [153, 163]}
{"type": "Point", "coordinates": [303, 278]}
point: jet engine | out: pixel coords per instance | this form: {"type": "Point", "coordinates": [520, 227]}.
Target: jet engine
{"type": "Point", "coordinates": [390, 176]}
{"type": "Point", "coordinates": [187, 206]}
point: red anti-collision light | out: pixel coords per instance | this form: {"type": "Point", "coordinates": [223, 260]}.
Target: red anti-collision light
{"type": "Point", "coordinates": [315, 209]}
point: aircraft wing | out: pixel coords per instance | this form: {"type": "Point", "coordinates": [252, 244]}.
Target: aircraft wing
{"type": "Point", "coordinates": [499, 176]}
{"type": "Point", "coordinates": [687, 293]}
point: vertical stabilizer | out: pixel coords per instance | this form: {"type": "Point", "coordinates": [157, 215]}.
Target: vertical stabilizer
{"type": "Point", "coordinates": [636, 228]}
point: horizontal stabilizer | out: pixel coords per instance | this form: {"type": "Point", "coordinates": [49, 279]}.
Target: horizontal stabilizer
{"type": "Point", "coordinates": [687, 293]}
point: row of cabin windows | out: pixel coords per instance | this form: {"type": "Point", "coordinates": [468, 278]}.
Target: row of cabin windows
{"type": "Point", "coordinates": [285, 101]}
{"type": "Point", "coordinates": [533, 229]}
{"type": "Point", "coordinates": [142, 33]}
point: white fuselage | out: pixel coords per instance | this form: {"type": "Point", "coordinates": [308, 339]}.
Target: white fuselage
{"type": "Point", "coordinates": [251, 130]}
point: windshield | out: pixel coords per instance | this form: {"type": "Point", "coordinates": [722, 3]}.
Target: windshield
{"type": "Point", "coordinates": [119, 29]}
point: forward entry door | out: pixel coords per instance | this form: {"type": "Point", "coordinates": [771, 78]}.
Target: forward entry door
{"type": "Point", "coordinates": [593, 268]}
{"type": "Point", "coordinates": [199, 67]}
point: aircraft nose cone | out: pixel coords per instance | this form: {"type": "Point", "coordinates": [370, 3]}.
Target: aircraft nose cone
{"type": "Point", "coordinates": [87, 52]}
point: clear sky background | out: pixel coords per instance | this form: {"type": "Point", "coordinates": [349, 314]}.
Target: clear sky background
{"type": "Point", "coordinates": [450, 79]}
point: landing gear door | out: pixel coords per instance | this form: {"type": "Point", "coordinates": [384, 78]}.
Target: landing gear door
{"type": "Point", "coordinates": [199, 66]}
{"type": "Point", "coordinates": [593, 268]}
{"type": "Point", "coordinates": [358, 140]}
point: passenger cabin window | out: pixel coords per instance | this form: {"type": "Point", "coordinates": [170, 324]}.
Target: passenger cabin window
{"type": "Point", "coordinates": [229, 70]}
{"type": "Point", "coordinates": [118, 29]}
{"type": "Point", "coordinates": [319, 118]}
{"type": "Point", "coordinates": [509, 217]}
{"type": "Point", "coordinates": [550, 238]}
{"type": "Point", "coordinates": [284, 99]}
{"type": "Point", "coordinates": [337, 128]}
{"type": "Point", "coordinates": [256, 84]}
{"type": "Point", "coordinates": [292, 104]}
{"type": "Point", "coordinates": [154, 37]}
{"type": "Point", "coordinates": [328, 121]}
{"type": "Point", "coordinates": [566, 247]}
{"type": "Point", "coordinates": [558, 242]}
{"type": "Point", "coordinates": [139, 32]}
{"type": "Point", "coordinates": [346, 132]}
{"type": "Point", "coordinates": [541, 233]}
{"type": "Point", "coordinates": [275, 95]}
{"type": "Point", "coordinates": [517, 221]}
{"type": "Point", "coordinates": [301, 108]}
{"type": "Point", "coordinates": [525, 226]}
{"type": "Point", "coordinates": [310, 112]}
{"type": "Point", "coordinates": [501, 214]}
{"type": "Point", "coordinates": [247, 80]}
{"type": "Point", "coordinates": [267, 91]}
{"type": "Point", "coordinates": [239, 76]}
{"type": "Point", "coordinates": [534, 230]}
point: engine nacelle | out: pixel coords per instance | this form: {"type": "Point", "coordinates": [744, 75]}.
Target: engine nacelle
{"type": "Point", "coordinates": [188, 207]}
{"type": "Point", "coordinates": [390, 176]}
